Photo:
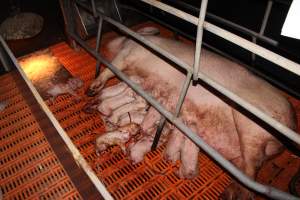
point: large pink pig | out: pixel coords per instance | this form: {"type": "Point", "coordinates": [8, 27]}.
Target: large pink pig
{"type": "Point", "coordinates": [230, 132]}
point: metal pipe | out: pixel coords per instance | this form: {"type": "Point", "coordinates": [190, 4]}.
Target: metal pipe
{"type": "Point", "coordinates": [98, 41]}
{"type": "Point", "coordinates": [4, 61]}
{"type": "Point", "coordinates": [94, 8]}
{"type": "Point", "coordinates": [180, 101]}
{"type": "Point", "coordinates": [229, 23]}
{"type": "Point", "coordinates": [149, 44]}
{"type": "Point", "coordinates": [202, 14]}
{"type": "Point", "coordinates": [243, 29]}
{"type": "Point", "coordinates": [277, 83]}
{"type": "Point", "coordinates": [234, 171]}
{"type": "Point", "coordinates": [74, 151]}
{"type": "Point", "coordinates": [263, 25]}
{"type": "Point", "coordinates": [267, 54]}
{"type": "Point", "coordinates": [266, 17]}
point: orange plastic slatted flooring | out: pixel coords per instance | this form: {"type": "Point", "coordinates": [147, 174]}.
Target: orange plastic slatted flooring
{"type": "Point", "coordinates": [29, 169]}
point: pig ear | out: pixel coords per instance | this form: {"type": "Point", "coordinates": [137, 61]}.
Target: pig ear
{"type": "Point", "coordinates": [150, 30]}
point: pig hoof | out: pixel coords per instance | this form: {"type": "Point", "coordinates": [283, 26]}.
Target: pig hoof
{"type": "Point", "coordinates": [90, 92]}
{"type": "Point", "coordinates": [236, 192]}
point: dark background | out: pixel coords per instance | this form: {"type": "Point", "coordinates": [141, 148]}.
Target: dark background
{"type": "Point", "coordinates": [248, 13]}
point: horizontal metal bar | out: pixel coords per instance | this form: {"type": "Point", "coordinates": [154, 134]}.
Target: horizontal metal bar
{"type": "Point", "coordinates": [277, 83]}
{"type": "Point", "coordinates": [142, 39]}
{"type": "Point", "coordinates": [243, 29]}
{"type": "Point", "coordinates": [74, 151]}
{"type": "Point", "coordinates": [228, 23]}
{"type": "Point", "coordinates": [234, 171]}
{"type": "Point", "coordinates": [267, 54]}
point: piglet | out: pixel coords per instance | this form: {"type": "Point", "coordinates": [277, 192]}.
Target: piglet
{"type": "Point", "coordinates": [65, 88]}
{"type": "Point", "coordinates": [117, 137]}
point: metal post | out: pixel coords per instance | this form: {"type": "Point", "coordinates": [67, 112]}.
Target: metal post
{"type": "Point", "coordinates": [263, 25]}
{"type": "Point", "coordinates": [199, 39]}
{"type": "Point", "coordinates": [94, 8]}
{"type": "Point", "coordinates": [98, 41]}
{"type": "Point", "coordinates": [180, 101]}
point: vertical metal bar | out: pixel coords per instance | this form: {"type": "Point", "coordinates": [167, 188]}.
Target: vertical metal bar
{"type": "Point", "coordinates": [181, 98]}
{"type": "Point", "coordinates": [98, 41]}
{"type": "Point", "coordinates": [4, 60]}
{"type": "Point", "coordinates": [199, 39]}
{"type": "Point", "coordinates": [266, 17]}
{"type": "Point", "coordinates": [94, 8]}
{"type": "Point", "coordinates": [263, 26]}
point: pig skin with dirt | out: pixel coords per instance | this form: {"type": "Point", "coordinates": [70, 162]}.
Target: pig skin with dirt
{"type": "Point", "coordinates": [69, 87]}
{"type": "Point", "coordinates": [230, 132]}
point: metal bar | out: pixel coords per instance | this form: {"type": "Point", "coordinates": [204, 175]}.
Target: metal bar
{"type": "Point", "coordinates": [98, 41]}
{"type": "Point", "coordinates": [94, 8]}
{"type": "Point", "coordinates": [263, 25]}
{"type": "Point", "coordinates": [74, 151]}
{"type": "Point", "coordinates": [180, 101]}
{"type": "Point", "coordinates": [267, 54]}
{"type": "Point", "coordinates": [266, 17]}
{"type": "Point", "coordinates": [229, 23]}
{"type": "Point", "coordinates": [289, 90]}
{"type": "Point", "coordinates": [4, 61]}
{"type": "Point", "coordinates": [149, 44]}
{"type": "Point", "coordinates": [202, 14]}
{"type": "Point", "coordinates": [243, 29]}
{"type": "Point", "coordinates": [234, 171]}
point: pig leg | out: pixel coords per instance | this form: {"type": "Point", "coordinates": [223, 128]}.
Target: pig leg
{"type": "Point", "coordinates": [256, 146]}
{"type": "Point", "coordinates": [189, 151]}
{"type": "Point", "coordinates": [174, 145]}
{"type": "Point", "coordinates": [138, 150]}
{"type": "Point", "coordinates": [99, 82]}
